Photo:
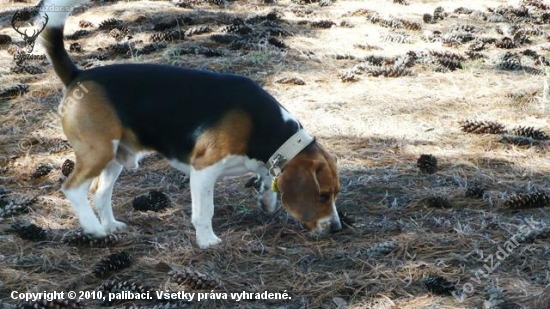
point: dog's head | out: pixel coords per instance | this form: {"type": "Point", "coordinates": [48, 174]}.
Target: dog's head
{"type": "Point", "coordinates": [308, 187]}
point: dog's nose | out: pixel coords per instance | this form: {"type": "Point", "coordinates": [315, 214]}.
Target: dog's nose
{"type": "Point", "coordinates": [335, 224]}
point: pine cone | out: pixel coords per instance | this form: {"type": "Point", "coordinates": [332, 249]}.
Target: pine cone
{"type": "Point", "coordinates": [29, 69]}
{"type": "Point", "coordinates": [154, 201]}
{"type": "Point", "coordinates": [530, 132]}
{"type": "Point", "coordinates": [150, 48]}
{"type": "Point", "coordinates": [225, 38]}
{"type": "Point", "coordinates": [78, 35]}
{"type": "Point", "coordinates": [80, 239]}
{"type": "Point", "coordinates": [325, 24]}
{"type": "Point", "coordinates": [29, 231]}
{"type": "Point", "coordinates": [392, 23]}
{"type": "Point", "coordinates": [521, 141]}
{"type": "Point", "coordinates": [380, 60]}
{"type": "Point", "coordinates": [474, 192]}
{"type": "Point", "coordinates": [109, 24]}
{"type": "Point", "coordinates": [438, 202]}
{"type": "Point", "coordinates": [381, 249]}
{"type": "Point", "coordinates": [218, 2]}
{"type": "Point", "coordinates": [530, 53]}
{"type": "Point", "coordinates": [5, 39]}
{"type": "Point", "coordinates": [160, 37]}
{"type": "Point", "coordinates": [389, 71]}
{"type": "Point", "coordinates": [325, 3]}
{"type": "Point", "coordinates": [240, 29]}
{"type": "Point", "coordinates": [117, 286]}
{"type": "Point", "coordinates": [12, 209]}
{"type": "Point", "coordinates": [120, 48]}
{"type": "Point", "coordinates": [15, 205]}
{"type": "Point", "coordinates": [466, 28]}
{"type": "Point", "coordinates": [477, 45]}
{"type": "Point", "coordinates": [291, 80]}
{"type": "Point", "coordinates": [246, 44]}
{"type": "Point", "coordinates": [67, 167]}
{"type": "Point", "coordinates": [119, 33]}
{"type": "Point", "coordinates": [427, 164]}
{"type": "Point", "coordinates": [195, 280]}
{"type": "Point", "coordinates": [168, 36]}
{"type": "Point", "coordinates": [482, 127]}
{"type": "Point", "coordinates": [506, 43]}
{"type": "Point", "coordinates": [198, 30]}
{"type": "Point", "coordinates": [428, 19]}
{"type": "Point", "coordinates": [53, 304]}
{"type": "Point", "coordinates": [450, 64]}
{"type": "Point", "coordinates": [458, 38]}
{"type": "Point", "coordinates": [463, 10]}
{"type": "Point", "coordinates": [14, 91]}
{"type": "Point", "coordinates": [277, 43]}
{"type": "Point", "coordinates": [438, 285]}
{"type": "Point", "coordinates": [188, 4]}
{"type": "Point", "coordinates": [528, 200]}
{"type": "Point", "coordinates": [473, 55]}
{"type": "Point", "coordinates": [162, 26]}
{"type": "Point", "coordinates": [85, 24]}
{"type": "Point", "coordinates": [411, 25]}
{"type": "Point", "coordinates": [446, 55]}
{"type": "Point", "coordinates": [348, 76]}
{"type": "Point", "coordinates": [511, 64]}
{"type": "Point", "coordinates": [401, 38]}
{"type": "Point", "coordinates": [201, 50]}
{"type": "Point", "coordinates": [99, 56]}
{"type": "Point", "coordinates": [42, 170]}
{"type": "Point", "coordinates": [538, 4]}
{"type": "Point", "coordinates": [439, 13]}
{"type": "Point", "coordinates": [112, 263]}
{"type": "Point", "coordinates": [75, 47]}
{"type": "Point", "coordinates": [402, 2]}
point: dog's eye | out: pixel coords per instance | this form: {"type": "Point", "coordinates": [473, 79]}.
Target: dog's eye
{"type": "Point", "coordinates": [324, 197]}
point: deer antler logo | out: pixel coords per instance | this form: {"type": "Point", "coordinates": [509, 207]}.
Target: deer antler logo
{"type": "Point", "coordinates": [29, 39]}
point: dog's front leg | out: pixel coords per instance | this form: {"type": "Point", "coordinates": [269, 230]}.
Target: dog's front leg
{"type": "Point", "coordinates": [202, 201]}
{"type": "Point", "coordinates": [267, 200]}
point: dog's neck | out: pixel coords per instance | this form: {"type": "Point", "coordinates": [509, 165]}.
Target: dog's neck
{"type": "Point", "coordinates": [293, 146]}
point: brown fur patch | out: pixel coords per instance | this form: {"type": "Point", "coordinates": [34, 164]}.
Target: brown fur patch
{"type": "Point", "coordinates": [90, 125]}
{"type": "Point", "coordinates": [228, 137]}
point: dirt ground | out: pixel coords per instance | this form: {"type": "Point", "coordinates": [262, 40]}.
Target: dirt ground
{"type": "Point", "coordinates": [378, 82]}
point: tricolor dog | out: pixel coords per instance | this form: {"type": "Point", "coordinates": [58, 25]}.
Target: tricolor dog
{"type": "Point", "coordinates": [206, 124]}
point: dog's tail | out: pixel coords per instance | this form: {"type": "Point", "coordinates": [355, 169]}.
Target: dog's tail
{"type": "Point", "coordinates": [51, 38]}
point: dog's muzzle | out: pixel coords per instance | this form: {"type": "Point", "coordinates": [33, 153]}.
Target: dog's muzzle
{"type": "Point", "coordinates": [328, 225]}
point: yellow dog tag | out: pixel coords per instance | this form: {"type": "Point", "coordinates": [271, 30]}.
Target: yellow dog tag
{"type": "Point", "coordinates": [274, 184]}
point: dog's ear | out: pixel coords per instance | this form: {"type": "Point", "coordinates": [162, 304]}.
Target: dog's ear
{"type": "Point", "coordinates": [299, 189]}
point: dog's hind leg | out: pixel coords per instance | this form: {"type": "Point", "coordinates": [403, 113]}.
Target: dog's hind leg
{"type": "Point", "coordinates": [91, 126]}
{"type": "Point", "coordinates": [103, 196]}
{"type": "Point", "coordinates": [89, 164]}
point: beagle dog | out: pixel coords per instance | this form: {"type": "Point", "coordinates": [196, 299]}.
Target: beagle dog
{"type": "Point", "coordinates": [206, 124]}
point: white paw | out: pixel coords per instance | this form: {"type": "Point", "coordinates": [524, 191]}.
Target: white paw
{"type": "Point", "coordinates": [205, 242]}
{"type": "Point", "coordinates": [96, 231]}
{"type": "Point", "coordinates": [268, 202]}
{"type": "Point", "coordinates": [114, 226]}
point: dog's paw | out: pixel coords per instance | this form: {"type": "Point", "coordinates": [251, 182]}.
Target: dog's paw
{"type": "Point", "coordinates": [97, 231]}
{"type": "Point", "coordinates": [206, 242]}
{"type": "Point", "coordinates": [268, 202]}
{"type": "Point", "coordinates": [114, 226]}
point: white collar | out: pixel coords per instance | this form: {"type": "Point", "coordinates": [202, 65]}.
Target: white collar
{"type": "Point", "coordinates": [288, 151]}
